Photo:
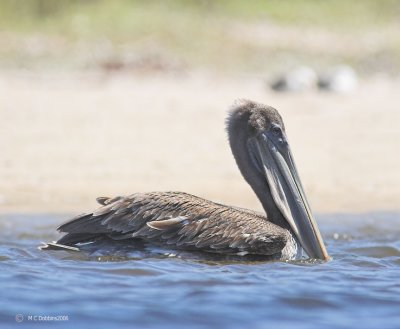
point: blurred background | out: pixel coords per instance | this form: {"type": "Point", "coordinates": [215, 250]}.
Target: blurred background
{"type": "Point", "coordinates": [116, 97]}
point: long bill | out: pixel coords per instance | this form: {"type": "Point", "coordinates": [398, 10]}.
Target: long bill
{"type": "Point", "coordinates": [288, 193]}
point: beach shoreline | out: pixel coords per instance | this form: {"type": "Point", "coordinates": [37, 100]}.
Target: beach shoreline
{"type": "Point", "coordinates": [68, 138]}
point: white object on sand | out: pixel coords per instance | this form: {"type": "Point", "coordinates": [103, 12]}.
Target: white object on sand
{"type": "Point", "coordinates": [299, 79]}
{"type": "Point", "coordinates": [339, 79]}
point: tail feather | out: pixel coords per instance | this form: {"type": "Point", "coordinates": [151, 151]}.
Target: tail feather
{"type": "Point", "coordinates": [71, 239]}
{"type": "Point", "coordinates": [57, 246]}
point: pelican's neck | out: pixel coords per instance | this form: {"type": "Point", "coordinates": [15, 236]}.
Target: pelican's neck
{"type": "Point", "coordinates": [257, 181]}
{"type": "Point", "coordinates": [261, 189]}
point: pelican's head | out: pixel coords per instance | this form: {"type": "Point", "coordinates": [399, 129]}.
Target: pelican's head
{"type": "Point", "coordinates": [259, 144]}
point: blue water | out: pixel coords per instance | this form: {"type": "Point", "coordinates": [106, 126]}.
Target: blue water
{"type": "Point", "coordinates": [155, 288]}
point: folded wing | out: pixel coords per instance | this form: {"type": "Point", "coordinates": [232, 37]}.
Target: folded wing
{"type": "Point", "coordinates": [177, 219]}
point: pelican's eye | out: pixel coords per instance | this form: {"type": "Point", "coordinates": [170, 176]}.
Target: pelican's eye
{"type": "Point", "coordinates": [276, 130]}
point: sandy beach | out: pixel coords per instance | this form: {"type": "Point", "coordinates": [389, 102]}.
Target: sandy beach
{"type": "Point", "coordinates": [68, 138]}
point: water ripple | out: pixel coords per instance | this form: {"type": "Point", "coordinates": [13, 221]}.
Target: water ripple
{"type": "Point", "coordinates": [148, 287]}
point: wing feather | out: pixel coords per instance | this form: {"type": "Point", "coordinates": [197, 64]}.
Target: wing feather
{"type": "Point", "coordinates": [181, 220]}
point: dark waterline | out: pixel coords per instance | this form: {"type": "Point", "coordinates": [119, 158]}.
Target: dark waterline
{"type": "Point", "coordinates": [154, 288]}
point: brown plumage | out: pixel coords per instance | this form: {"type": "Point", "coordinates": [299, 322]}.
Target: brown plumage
{"type": "Point", "coordinates": [180, 220]}
{"type": "Point", "coordinates": [184, 221]}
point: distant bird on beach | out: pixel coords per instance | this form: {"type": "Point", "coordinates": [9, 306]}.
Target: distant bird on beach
{"type": "Point", "coordinates": [179, 220]}
{"type": "Point", "coordinates": [340, 79]}
{"type": "Point", "coordinates": [300, 79]}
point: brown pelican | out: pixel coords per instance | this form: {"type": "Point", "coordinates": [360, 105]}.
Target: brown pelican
{"type": "Point", "coordinates": [260, 147]}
